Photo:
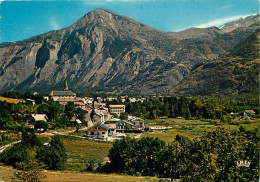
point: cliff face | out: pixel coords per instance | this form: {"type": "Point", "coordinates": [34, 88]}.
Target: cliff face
{"type": "Point", "coordinates": [104, 51]}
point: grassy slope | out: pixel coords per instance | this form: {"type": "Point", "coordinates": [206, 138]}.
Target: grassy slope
{"type": "Point", "coordinates": [6, 174]}
{"type": "Point", "coordinates": [81, 150]}
{"type": "Point", "coordinates": [10, 100]}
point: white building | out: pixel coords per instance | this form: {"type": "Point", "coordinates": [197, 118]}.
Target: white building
{"type": "Point", "coordinates": [117, 109]}
{"type": "Point", "coordinates": [98, 130]}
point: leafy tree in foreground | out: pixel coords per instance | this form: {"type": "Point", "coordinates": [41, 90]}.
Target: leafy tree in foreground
{"type": "Point", "coordinates": [54, 157]}
{"type": "Point", "coordinates": [15, 155]}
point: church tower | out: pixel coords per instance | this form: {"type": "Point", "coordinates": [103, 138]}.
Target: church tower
{"type": "Point", "coordinates": [66, 88]}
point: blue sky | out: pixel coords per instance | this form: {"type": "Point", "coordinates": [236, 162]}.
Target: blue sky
{"type": "Point", "coordinates": [23, 19]}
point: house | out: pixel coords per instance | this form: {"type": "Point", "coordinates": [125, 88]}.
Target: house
{"type": "Point", "coordinates": [75, 121]}
{"type": "Point", "coordinates": [111, 98]}
{"type": "Point", "coordinates": [89, 123]}
{"type": "Point", "coordinates": [98, 130]}
{"type": "Point", "coordinates": [104, 110]}
{"type": "Point", "coordinates": [65, 93]}
{"type": "Point", "coordinates": [124, 98]}
{"type": "Point", "coordinates": [46, 144]}
{"type": "Point", "coordinates": [78, 102]}
{"type": "Point", "coordinates": [138, 123]}
{"type": "Point", "coordinates": [112, 129]}
{"type": "Point", "coordinates": [39, 117]}
{"type": "Point", "coordinates": [137, 99]}
{"type": "Point", "coordinates": [117, 109]}
{"type": "Point", "coordinates": [99, 117]}
{"type": "Point", "coordinates": [124, 125]}
{"type": "Point", "coordinates": [114, 120]}
{"type": "Point", "coordinates": [46, 98]}
{"type": "Point", "coordinates": [88, 101]}
{"type": "Point", "coordinates": [248, 114]}
{"type": "Point", "coordinates": [30, 100]}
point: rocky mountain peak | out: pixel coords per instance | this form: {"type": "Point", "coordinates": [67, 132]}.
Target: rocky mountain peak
{"type": "Point", "coordinates": [102, 18]}
{"type": "Point", "coordinates": [104, 51]}
{"type": "Point", "coordinates": [242, 22]}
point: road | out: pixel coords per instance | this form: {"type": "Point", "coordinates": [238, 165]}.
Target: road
{"type": "Point", "coordinates": [8, 145]}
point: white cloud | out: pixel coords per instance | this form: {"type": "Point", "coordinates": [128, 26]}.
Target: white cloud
{"type": "Point", "coordinates": [219, 22]}
{"type": "Point", "coordinates": [54, 24]}
{"type": "Point", "coordinates": [228, 6]}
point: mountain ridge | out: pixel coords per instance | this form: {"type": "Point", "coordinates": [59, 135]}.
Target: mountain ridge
{"type": "Point", "coordinates": [234, 74]}
{"type": "Point", "coordinates": [104, 51]}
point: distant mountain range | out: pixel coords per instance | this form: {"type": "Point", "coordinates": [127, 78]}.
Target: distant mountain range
{"type": "Point", "coordinates": [107, 52]}
{"type": "Point", "coordinates": [236, 73]}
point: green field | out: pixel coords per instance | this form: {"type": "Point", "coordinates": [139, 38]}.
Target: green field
{"type": "Point", "coordinates": [80, 151]}
{"type": "Point", "coordinates": [192, 128]}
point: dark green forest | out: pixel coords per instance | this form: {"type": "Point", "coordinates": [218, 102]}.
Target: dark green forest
{"type": "Point", "coordinates": [191, 107]}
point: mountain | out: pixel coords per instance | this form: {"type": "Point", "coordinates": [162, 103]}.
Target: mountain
{"type": "Point", "coordinates": [104, 51]}
{"type": "Point", "coordinates": [237, 73]}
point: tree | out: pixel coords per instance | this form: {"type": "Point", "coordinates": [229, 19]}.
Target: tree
{"type": "Point", "coordinates": [80, 114]}
{"type": "Point", "coordinates": [70, 110]}
{"type": "Point", "coordinates": [146, 152]}
{"type": "Point", "coordinates": [30, 139]}
{"type": "Point", "coordinates": [124, 116]}
{"type": "Point", "coordinates": [41, 124]}
{"type": "Point", "coordinates": [121, 156]}
{"type": "Point", "coordinates": [55, 157]}
{"type": "Point", "coordinates": [15, 155]}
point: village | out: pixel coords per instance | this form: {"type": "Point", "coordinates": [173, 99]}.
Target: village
{"type": "Point", "coordinates": [100, 121]}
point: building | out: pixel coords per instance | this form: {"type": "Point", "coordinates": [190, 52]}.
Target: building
{"type": "Point", "coordinates": [74, 121]}
{"type": "Point", "coordinates": [65, 93]}
{"type": "Point", "coordinates": [98, 130]}
{"type": "Point", "coordinates": [39, 117]}
{"type": "Point", "coordinates": [117, 109]}
{"type": "Point", "coordinates": [248, 114]}
{"type": "Point", "coordinates": [104, 110]}
{"type": "Point", "coordinates": [78, 102]}
{"type": "Point", "coordinates": [138, 123]}
{"type": "Point", "coordinates": [124, 125]}
{"type": "Point", "coordinates": [99, 117]}
{"type": "Point", "coordinates": [112, 129]}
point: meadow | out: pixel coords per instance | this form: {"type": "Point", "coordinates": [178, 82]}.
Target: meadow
{"type": "Point", "coordinates": [80, 151]}
{"type": "Point", "coordinates": [6, 174]}
{"type": "Point", "coordinates": [193, 128]}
